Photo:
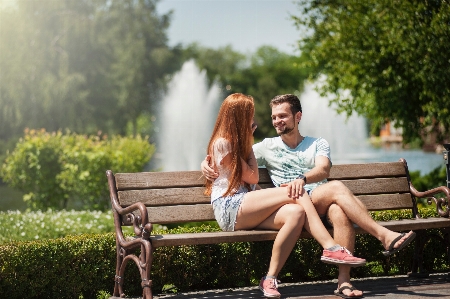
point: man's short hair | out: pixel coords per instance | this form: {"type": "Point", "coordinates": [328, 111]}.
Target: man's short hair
{"type": "Point", "coordinates": [293, 101]}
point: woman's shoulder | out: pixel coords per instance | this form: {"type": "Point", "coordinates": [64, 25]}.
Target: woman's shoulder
{"type": "Point", "coordinates": [222, 145]}
{"type": "Point", "coordinates": [221, 142]}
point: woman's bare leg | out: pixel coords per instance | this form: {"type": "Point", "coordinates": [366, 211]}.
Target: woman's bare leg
{"type": "Point", "coordinates": [259, 205]}
{"type": "Point", "coordinates": [289, 220]}
{"type": "Point", "coordinates": [273, 209]}
{"type": "Point", "coordinates": [314, 224]}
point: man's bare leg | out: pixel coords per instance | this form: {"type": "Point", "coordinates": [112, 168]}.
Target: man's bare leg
{"type": "Point", "coordinates": [344, 233]}
{"type": "Point", "coordinates": [335, 192]}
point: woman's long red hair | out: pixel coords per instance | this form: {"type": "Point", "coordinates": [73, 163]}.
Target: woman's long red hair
{"type": "Point", "coordinates": [233, 124]}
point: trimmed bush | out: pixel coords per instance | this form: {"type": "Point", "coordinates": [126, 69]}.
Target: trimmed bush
{"type": "Point", "coordinates": [56, 169]}
{"type": "Point", "coordinates": [85, 265]}
{"type": "Point", "coordinates": [61, 268]}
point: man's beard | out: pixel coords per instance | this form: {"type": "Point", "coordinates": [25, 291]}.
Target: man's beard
{"type": "Point", "coordinates": [286, 130]}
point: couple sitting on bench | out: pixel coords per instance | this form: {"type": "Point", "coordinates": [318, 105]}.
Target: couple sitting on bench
{"type": "Point", "coordinates": [299, 165]}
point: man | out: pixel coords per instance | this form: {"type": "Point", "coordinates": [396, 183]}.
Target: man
{"type": "Point", "coordinates": [302, 163]}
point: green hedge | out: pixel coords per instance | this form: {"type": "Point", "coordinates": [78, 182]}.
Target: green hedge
{"type": "Point", "coordinates": [57, 170]}
{"type": "Point", "coordinates": [71, 267]}
{"type": "Point", "coordinates": [85, 265]}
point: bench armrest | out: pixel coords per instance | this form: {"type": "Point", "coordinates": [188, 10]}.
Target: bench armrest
{"type": "Point", "coordinates": [441, 203]}
{"type": "Point", "coordinates": [140, 223]}
{"type": "Point", "coordinates": [141, 226]}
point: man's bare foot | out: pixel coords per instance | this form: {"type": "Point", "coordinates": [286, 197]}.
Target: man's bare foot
{"type": "Point", "coordinates": [346, 290]}
{"type": "Point", "coordinates": [398, 242]}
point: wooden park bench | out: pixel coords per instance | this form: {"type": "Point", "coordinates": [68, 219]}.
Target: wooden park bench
{"type": "Point", "coordinates": [147, 198]}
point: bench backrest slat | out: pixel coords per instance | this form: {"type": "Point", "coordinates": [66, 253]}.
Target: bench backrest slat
{"type": "Point", "coordinates": [173, 197]}
{"type": "Point", "coordinates": [185, 213]}
{"type": "Point", "coordinates": [204, 212]}
{"type": "Point", "coordinates": [377, 186]}
{"type": "Point", "coordinates": [164, 197]}
{"type": "Point", "coordinates": [170, 179]}
{"type": "Point", "coordinates": [368, 170]}
{"type": "Point", "coordinates": [383, 202]}
{"type": "Point", "coordinates": [194, 195]}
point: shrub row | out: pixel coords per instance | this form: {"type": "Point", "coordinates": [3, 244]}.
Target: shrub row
{"type": "Point", "coordinates": [57, 170]}
{"type": "Point", "coordinates": [71, 267]}
{"type": "Point", "coordinates": [84, 266]}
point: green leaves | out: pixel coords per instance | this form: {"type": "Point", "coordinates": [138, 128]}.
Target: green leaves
{"type": "Point", "coordinates": [80, 65]}
{"type": "Point", "coordinates": [393, 57]}
{"type": "Point", "coordinates": [263, 75]}
{"type": "Point", "coordinates": [56, 170]}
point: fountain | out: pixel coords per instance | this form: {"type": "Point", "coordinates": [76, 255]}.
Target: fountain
{"type": "Point", "coordinates": [347, 137]}
{"type": "Point", "coordinates": [188, 113]}
{"type": "Point", "coordinates": [189, 110]}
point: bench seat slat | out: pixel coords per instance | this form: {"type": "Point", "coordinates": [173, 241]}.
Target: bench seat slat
{"type": "Point", "coordinates": [413, 224]}
{"type": "Point", "coordinates": [369, 170]}
{"type": "Point", "coordinates": [264, 235]}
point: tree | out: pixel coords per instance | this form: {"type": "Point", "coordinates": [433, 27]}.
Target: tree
{"type": "Point", "coordinates": [392, 57]}
{"type": "Point", "coordinates": [79, 65]}
{"type": "Point", "coordinates": [136, 44]}
{"type": "Point", "coordinates": [270, 73]}
{"type": "Point", "coordinates": [263, 74]}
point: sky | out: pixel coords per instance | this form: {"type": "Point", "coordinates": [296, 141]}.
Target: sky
{"type": "Point", "coordinates": [243, 24]}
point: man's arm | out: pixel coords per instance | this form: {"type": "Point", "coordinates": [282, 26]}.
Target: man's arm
{"type": "Point", "coordinates": [250, 173]}
{"type": "Point", "coordinates": [320, 172]}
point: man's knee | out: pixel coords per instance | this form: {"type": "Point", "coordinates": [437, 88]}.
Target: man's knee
{"type": "Point", "coordinates": [327, 194]}
{"type": "Point", "coordinates": [338, 187]}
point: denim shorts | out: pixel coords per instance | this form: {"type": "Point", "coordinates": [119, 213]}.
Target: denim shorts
{"type": "Point", "coordinates": [226, 209]}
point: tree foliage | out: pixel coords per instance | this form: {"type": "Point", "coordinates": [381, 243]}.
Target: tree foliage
{"type": "Point", "coordinates": [83, 65]}
{"type": "Point", "coordinates": [263, 74]}
{"type": "Point", "coordinates": [56, 169]}
{"type": "Point", "coordinates": [392, 56]}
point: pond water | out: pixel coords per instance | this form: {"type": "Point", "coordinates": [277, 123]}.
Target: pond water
{"type": "Point", "coordinates": [416, 159]}
{"type": "Point", "coordinates": [349, 137]}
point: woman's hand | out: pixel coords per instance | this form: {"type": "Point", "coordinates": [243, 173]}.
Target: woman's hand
{"type": "Point", "coordinates": [207, 170]}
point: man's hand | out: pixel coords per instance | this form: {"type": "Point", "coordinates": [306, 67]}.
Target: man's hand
{"type": "Point", "coordinates": [254, 126]}
{"type": "Point", "coordinates": [207, 170]}
{"type": "Point", "coordinates": [294, 188]}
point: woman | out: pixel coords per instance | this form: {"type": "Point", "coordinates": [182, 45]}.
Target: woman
{"type": "Point", "coordinates": [236, 208]}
